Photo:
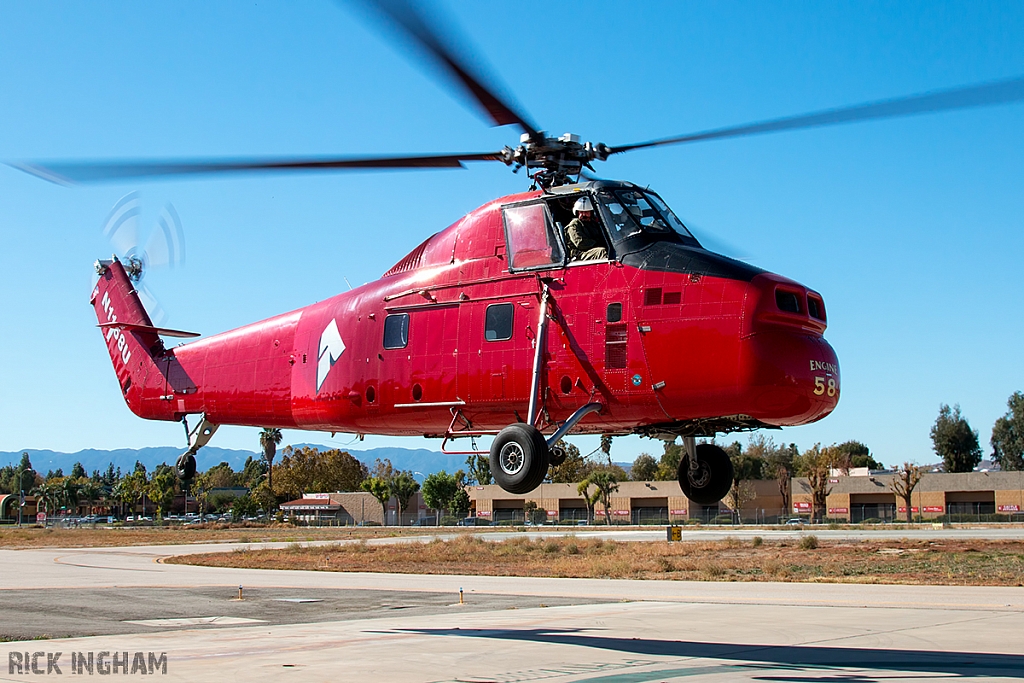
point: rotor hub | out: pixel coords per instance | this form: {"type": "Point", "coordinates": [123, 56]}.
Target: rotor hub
{"type": "Point", "coordinates": [133, 267]}
{"type": "Point", "coordinates": [554, 161]}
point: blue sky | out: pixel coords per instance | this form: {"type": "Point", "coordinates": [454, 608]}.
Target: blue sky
{"type": "Point", "coordinates": [911, 229]}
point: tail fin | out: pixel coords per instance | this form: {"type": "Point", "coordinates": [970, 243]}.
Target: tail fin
{"type": "Point", "coordinates": [131, 338]}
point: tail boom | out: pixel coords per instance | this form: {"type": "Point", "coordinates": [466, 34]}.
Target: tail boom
{"type": "Point", "coordinates": [124, 322]}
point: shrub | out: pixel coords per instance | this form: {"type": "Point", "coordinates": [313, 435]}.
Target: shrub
{"type": "Point", "coordinates": [712, 571]}
{"type": "Point", "coordinates": [758, 541]}
{"type": "Point", "coordinates": [809, 542]}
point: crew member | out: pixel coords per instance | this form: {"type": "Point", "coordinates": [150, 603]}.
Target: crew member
{"type": "Point", "coordinates": [584, 234]}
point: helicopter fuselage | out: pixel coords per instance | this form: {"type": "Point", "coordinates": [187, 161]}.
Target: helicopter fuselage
{"type": "Point", "coordinates": [668, 337]}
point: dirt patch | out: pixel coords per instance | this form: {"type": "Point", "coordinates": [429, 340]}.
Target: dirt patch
{"type": "Point", "coordinates": [37, 537]}
{"type": "Point", "coordinates": [976, 563]}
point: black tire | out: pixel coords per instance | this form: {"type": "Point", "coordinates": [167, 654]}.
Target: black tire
{"type": "Point", "coordinates": [519, 458]}
{"type": "Point", "coordinates": [556, 456]}
{"type": "Point", "coordinates": [185, 468]}
{"type": "Point", "coordinates": [712, 479]}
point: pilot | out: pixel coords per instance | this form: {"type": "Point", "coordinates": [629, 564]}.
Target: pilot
{"type": "Point", "coordinates": [584, 233]}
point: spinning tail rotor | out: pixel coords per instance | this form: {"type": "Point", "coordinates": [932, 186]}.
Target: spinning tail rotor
{"type": "Point", "coordinates": [164, 246]}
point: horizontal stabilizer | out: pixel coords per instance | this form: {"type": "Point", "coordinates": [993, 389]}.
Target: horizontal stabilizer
{"type": "Point", "coordinates": [163, 331]}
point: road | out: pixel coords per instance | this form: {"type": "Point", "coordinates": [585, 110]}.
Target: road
{"type": "Point", "coordinates": [389, 627]}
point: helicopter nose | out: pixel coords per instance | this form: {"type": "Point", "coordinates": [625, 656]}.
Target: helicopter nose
{"type": "Point", "coordinates": [790, 371]}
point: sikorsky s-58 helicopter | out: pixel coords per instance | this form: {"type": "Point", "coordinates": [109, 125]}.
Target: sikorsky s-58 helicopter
{"type": "Point", "coordinates": [493, 326]}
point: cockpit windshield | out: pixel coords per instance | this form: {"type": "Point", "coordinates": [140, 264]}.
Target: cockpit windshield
{"type": "Point", "coordinates": [631, 212]}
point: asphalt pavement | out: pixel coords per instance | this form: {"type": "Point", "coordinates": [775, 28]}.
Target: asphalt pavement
{"type": "Point", "coordinates": [394, 627]}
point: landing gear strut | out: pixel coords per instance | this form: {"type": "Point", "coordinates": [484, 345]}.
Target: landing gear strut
{"type": "Point", "coordinates": [705, 472]}
{"type": "Point", "coordinates": [520, 455]}
{"type": "Point", "coordinates": [185, 467]}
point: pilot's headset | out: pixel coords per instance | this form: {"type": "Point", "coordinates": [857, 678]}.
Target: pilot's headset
{"type": "Point", "coordinates": [582, 204]}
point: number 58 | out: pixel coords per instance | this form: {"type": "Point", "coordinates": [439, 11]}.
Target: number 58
{"type": "Point", "coordinates": [820, 387]}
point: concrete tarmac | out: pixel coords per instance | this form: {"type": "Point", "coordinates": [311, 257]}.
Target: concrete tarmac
{"type": "Point", "coordinates": [394, 627]}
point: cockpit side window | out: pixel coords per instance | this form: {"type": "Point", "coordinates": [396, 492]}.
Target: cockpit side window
{"type": "Point", "coordinates": [532, 242]}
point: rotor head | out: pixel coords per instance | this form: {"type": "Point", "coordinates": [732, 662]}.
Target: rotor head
{"type": "Point", "coordinates": [551, 161]}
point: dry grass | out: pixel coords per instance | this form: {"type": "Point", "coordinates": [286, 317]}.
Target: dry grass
{"type": "Point", "coordinates": [995, 563]}
{"type": "Point", "coordinates": [37, 537]}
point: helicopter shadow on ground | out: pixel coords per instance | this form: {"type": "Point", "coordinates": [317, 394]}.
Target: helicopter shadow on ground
{"type": "Point", "coordinates": [966, 664]}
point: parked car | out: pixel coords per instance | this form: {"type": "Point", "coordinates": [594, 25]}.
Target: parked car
{"type": "Point", "coordinates": [796, 521]}
{"type": "Point", "coordinates": [474, 521]}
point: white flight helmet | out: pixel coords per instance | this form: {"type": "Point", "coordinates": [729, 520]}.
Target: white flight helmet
{"type": "Point", "coordinates": [582, 204]}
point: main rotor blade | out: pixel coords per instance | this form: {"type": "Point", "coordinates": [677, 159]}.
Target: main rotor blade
{"type": "Point", "coordinates": [988, 94]}
{"type": "Point", "coordinates": [66, 173]}
{"type": "Point", "coordinates": [402, 15]}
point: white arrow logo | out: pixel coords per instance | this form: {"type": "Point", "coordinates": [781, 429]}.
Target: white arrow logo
{"type": "Point", "coordinates": [331, 348]}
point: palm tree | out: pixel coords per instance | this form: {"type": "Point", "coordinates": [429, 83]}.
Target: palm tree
{"type": "Point", "coordinates": [91, 491]}
{"type": "Point", "coordinates": [47, 496]}
{"type": "Point", "coordinates": [71, 492]}
{"type": "Point", "coordinates": [270, 437]}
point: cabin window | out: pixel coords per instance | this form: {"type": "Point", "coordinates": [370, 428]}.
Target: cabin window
{"type": "Point", "coordinates": [532, 242]}
{"type": "Point", "coordinates": [614, 313]}
{"type": "Point", "coordinates": [396, 331]}
{"type": "Point", "coordinates": [498, 322]}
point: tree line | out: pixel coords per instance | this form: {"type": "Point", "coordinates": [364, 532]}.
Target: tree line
{"type": "Point", "coordinates": [120, 491]}
{"type": "Point", "coordinates": [597, 478]}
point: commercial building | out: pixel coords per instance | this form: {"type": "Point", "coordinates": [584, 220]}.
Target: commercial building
{"type": "Point", "coordinates": [9, 503]}
{"type": "Point", "coordinates": [635, 502]}
{"type": "Point", "coordinates": [870, 497]}
{"type": "Point", "coordinates": [358, 507]}
{"type": "Point", "coordinates": [854, 497]}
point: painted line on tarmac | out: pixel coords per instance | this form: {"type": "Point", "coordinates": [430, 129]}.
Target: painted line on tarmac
{"type": "Point", "coordinates": [59, 560]}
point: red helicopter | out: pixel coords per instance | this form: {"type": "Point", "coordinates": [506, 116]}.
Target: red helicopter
{"type": "Point", "coordinates": [497, 326]}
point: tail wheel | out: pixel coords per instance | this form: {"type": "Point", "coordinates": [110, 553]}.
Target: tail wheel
{"type": "Point", "coordinates": [711, 479]}
{"type": "Point", "coordinates": [519, 458]}
{"type": "Point", "coordinates": [556, 456]}
{"type": "Point", "coordinates": [185, 468]}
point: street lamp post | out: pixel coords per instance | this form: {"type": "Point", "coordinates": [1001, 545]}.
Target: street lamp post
{"type": "Point", "coordinates": [21, 487]}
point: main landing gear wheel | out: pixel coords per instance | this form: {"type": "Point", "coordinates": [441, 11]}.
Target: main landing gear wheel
{"type": "Point", "coordinates": [185, 468]}
{"type": "Point", "coordinates": [519, 458]}
{"type": "Point", "coordinates": [711, 479]}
